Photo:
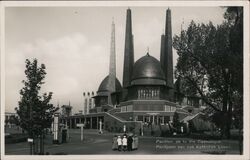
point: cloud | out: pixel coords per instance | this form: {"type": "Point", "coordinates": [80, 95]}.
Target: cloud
{"type": "Point", "coordinates": [77, 62]}
{"type": "Point", "coordinates": [73, 65]}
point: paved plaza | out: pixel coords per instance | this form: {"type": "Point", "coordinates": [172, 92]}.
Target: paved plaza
{"type": "Point", "coordinates": [95, 143]}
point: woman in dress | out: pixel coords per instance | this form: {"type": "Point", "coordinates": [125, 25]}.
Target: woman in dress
{"type": "Point", "coordinates": [115, 143]}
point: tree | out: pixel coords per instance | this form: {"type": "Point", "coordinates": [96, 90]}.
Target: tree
{"type": "Point", "coordinates": [210, 64]}
{"type": "Point", "coordinates": [34, 110]}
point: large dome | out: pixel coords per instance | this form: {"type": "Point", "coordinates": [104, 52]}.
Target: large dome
{"type": "Point", "coordinates": [104, 85]}
{"type": "Point", "coordinates": [147, 70]}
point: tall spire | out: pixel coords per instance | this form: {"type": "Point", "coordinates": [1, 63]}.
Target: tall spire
{"type": "Point", "coordinates": [112, 63]}
{"type": "Point", "coordinates": [168, 49]}
{"type": "Point", "coordinates": [162, 54]}
{"type": "Point", "coordinates": [166, 56]}
{"type": "Point", "coordinates": [128, 52]}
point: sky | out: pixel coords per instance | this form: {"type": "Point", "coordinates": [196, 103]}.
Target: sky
{"type": "Point", "coordinates": [74, 44]}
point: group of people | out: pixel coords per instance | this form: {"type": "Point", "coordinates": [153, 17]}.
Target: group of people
{"type": "Point", "coordinates": [125, 142]}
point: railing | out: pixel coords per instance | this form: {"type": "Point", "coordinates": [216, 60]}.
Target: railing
{"type": "Point", "coordinates": [114, 110]}
{"type": "Point", "coordinates": [119, 119]}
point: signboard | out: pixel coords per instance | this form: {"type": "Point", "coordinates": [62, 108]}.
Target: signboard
{"type": "Point", "coordinates": [80, 124]}
{"type": "Point", "coordinates": [30, 140]}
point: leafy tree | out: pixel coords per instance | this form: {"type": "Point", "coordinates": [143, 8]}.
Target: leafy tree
{"type": "Point", "coordinates": [34, 110]}
{"type": "Point", "coordinates": [210, 64]}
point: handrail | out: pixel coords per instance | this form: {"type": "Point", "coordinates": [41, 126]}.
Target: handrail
{"type": "Point", "coordinates": [115, 117]}
{"type": "Point", "coordinates": [113, 110]}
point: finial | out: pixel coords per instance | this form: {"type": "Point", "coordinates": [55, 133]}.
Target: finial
{"type": "Point", "coordinates": [147, 51]}
{"type": "Point", "coordinates": [69, 103]}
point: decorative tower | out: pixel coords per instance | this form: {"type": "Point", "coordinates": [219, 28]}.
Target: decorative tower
{"type": "Point", "coordinates": [162, 54]}
{"type": "Point", "coordinates": [112, 64]}
{"type": "Point", "coordinates": [128, 54]}
{"type": "Point", "coordinates": [166, 57]}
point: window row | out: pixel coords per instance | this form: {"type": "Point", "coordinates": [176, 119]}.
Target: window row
{"type": "Point", "coordinates": [128, 108]}
{"type": "Point", "coordinates": [148, 93]}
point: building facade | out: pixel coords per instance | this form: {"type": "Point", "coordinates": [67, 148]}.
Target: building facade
{"type": "Point", "coordinates": [66, 110]}
{"type": "Point", "coordinates": [89, 102]}
{"type": "Point", "coordinates": [147, 95]}
{"type": "Point", "coordinates": [9, 120]}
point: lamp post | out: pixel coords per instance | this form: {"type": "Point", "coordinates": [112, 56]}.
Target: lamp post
{"type": "Point", "coordinates": [141, 128]}
{"type": "Point", "coordinates": [100, 127]}
{"type": "Point", "coordinates": [124, 128]}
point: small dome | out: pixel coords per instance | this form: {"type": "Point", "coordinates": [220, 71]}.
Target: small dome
{"type": "Point", "coordinates": [147, 67]}
{"type": "Point", "coordinates": [104, 85]}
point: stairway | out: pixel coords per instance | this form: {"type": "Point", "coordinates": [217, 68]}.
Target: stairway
{"type": "Point", "coordinates": [116, 124]}
{"type": "Point", "coordinates": [116, 117]}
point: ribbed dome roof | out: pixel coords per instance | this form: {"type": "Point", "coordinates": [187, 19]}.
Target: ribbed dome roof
{"type": "Point", "coordinates": [104, 85]}
{"type": "Point", "coordinates": [147, 67]}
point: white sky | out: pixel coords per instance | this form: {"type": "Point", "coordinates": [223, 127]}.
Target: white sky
{"type": "Point", "coordinates": [74, 44]}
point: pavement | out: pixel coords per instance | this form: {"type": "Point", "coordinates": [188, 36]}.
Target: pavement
{"type": "Point", "coordinates": [95, 143]}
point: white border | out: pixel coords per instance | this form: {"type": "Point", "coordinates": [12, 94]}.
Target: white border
{"type": "Point", "coordinates": [2, 93]}
{"type": "Point", "coordinates": [245, 4]}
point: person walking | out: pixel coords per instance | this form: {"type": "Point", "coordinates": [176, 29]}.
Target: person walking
{"type": "Point", "coordinates": [124, 143]}
{"type": "Point", "coordinates": [135, 142]}
{"type": "Point", "coordinates": [119, 142]}
{"type": "Point", "coordinates": [130, 141]}
{"type": "Point", "coordinates": [114, 143]}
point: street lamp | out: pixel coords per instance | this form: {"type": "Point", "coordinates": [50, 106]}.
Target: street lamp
{"type": "Point", "coordinates": [100, 128]}
{"type": "Point", "coordinates": [124, 128]}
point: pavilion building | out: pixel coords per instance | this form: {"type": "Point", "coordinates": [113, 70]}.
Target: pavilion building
{"type": "Point", "coordinates": [147, 94]}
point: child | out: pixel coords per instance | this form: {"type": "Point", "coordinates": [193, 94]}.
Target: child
{"type": "Point", "coordinates": [124, 143]}
{"type": "Point", "coordinates": [119, 142]}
